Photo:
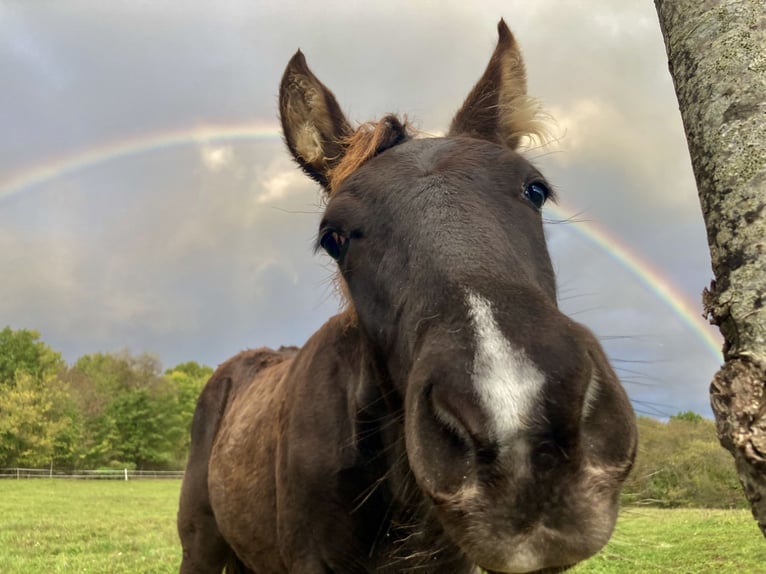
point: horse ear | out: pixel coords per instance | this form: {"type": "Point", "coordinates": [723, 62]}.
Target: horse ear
{"type": "Point", "coordinates": [498, 108]}
{"type": "Point", "coordinates": [312, 121]}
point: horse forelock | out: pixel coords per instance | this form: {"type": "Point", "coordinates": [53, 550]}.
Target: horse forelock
{"type": "Point", "coordinates": [367, 141]}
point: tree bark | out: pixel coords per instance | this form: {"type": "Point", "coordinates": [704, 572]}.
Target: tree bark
{"type": "Point", "coordinates": [717, 57]}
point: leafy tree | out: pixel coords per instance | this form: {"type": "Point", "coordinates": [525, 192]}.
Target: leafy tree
{"type": "Point", "coordinates": [188, 379]}
{"type": "Point", "coordinates": [129, 410]}
{"type": "Point", "coordinates": [689, 416]}
{"type": "Point", "coordinates": [145, 426]}
{"type": "Point", "coordinates": [22, 351]}
{"type": "Point", "coordinates": [33, 426]}
{"type": "Point", "coordinates": [192, 369]}
{"type": "Point", "coordinates": [34, 421]}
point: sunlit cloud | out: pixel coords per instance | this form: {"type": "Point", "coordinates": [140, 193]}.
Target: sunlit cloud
{"type": "Point", "coordinates": [276, 186]}
{"type": "Point", "coordinates": [216, 158]}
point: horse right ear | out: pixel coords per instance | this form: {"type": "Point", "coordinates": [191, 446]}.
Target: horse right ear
{"type": "Point", "coordinates": [312, 121]}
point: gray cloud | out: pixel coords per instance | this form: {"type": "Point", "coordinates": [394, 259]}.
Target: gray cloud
{"type": "Point", "coordinates": [198, 251]}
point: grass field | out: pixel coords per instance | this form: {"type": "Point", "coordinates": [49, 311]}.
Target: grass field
{"type": "Point", "coordinates": [129, 527]}
{"type": "Point", "coordinates": [110, 526]}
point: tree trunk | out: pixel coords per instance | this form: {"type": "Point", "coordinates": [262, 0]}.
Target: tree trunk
{"type": "Point", "coordinates": [717, 57]}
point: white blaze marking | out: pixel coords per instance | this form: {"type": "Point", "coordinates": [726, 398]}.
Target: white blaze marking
{"type": "Point", "coordinates": [507, 381]}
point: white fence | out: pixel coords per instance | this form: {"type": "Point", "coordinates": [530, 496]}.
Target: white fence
{"type": "Point", "coordinates": [124, 474]}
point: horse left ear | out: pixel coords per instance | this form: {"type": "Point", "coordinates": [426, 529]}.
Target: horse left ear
{"type": "Point", "coordinates": [312, 121]}
{"type": "Point", "coordinates": [498, 108]}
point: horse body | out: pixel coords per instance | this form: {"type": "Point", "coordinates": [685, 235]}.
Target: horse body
{"type": "Point", "coordinates": [244, 495]}
{"type": "Point", "coordinates": [247, 382]}
{"type": "Point", "coordinates": [267, 508]}
{"type": "Point", "coordinates": [452, 416]}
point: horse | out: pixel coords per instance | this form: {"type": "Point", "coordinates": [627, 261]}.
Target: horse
{"type": "Point", "coordinates": [450, 418]}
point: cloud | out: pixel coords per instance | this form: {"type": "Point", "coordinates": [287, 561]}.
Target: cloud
{"type": "Point", "coordinates": [275, 185]}
{"type": "Point", "coordinates": [594, 131]}
{"type": "Point", "coordinates": [216, 158]}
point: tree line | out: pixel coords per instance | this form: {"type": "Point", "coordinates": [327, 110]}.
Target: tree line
{"type": "Point", "coordinates": [107, 410]}
{"type": "Point", "coordinates": [117, 410]}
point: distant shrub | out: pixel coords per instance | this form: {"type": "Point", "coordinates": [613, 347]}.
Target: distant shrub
{"type": "Point", "coordinates": [688, 416]}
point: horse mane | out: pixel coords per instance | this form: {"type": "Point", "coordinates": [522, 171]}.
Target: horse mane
{"type": "Point", "coordinates": [367, 141]}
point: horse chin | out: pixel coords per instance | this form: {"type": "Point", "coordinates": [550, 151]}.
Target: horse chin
{"type": "Point", "coordinates": [488, 535]}
{"type": "Point", "coordinates": [522, 567]}
{"type": "Point", "coordinates": [519, 564]}
{"type": "Point", "coordinates": [554, 570]}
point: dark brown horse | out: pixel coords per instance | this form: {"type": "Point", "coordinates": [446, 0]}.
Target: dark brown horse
{"type": "Point", "coordinates": [452, 417]}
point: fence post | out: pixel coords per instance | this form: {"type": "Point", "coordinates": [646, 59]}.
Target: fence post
{"type": "Point", "coordinates": [126, 474]}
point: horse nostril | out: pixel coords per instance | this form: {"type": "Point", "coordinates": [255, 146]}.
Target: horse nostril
{"type": "Point", "coordinates": [460, 415]}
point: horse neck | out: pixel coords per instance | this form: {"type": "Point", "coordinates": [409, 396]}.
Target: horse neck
{"type": "Point", "coordinates": [376, 411]}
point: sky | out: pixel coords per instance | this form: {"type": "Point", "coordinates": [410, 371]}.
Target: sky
{"type": "Point", "coordinates": [147, 201]}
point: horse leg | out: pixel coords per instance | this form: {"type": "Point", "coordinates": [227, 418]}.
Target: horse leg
{"type": "Point", "coordinates": [204, 549]}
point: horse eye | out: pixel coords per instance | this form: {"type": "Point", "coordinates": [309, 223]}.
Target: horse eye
{"type": "Point", "coordinates": [537, 193]}
{"type": "Point", "coordinates": [334, 244]}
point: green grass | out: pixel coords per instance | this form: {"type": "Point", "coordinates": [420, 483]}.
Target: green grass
{"type": "Point", "coordinates": [121, 527]}
{"type": "Point", "coordinates": [94, 526]}
{"type": "Point", "coordinates": [682, 541]}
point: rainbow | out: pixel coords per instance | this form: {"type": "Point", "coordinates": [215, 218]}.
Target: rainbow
{"type": "Point", "coordinates": [650, 276]}
{"type": "Point", "coordinates": [134, 146]}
